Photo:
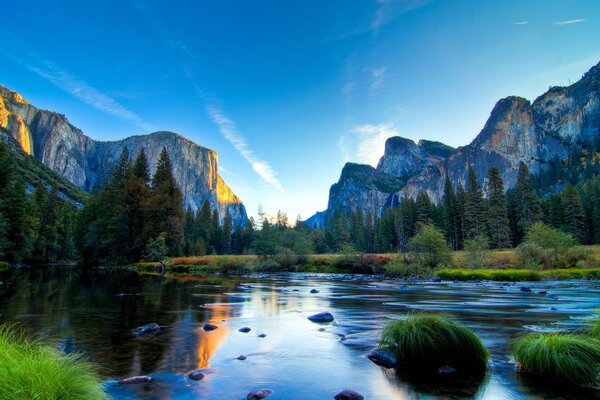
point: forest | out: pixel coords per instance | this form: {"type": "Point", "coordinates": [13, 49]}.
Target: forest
{"type": "Point", "coordinates": [135, 216]}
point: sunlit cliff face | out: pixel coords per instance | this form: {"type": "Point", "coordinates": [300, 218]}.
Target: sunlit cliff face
{"type": "Point", "coordinates": [224, 193]}
{"type": "Point", "coordinates": [16, 125]}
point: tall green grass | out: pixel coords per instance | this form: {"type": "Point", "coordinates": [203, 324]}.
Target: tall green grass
{"type": "Point", "coordinates": [424, 343]}
{"type": "Point", "coordinates": [560, 357]}
{"type": "Point", "coordinates": [32, 371]}
{"type": "Point", "coordinates": [595, 331]}
{"type": "Point", "coordinates": [516, 275]}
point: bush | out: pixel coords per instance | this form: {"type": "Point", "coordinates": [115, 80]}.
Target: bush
{"type": "Point", "coordinates": [560, 357]}
{"type": "Point", "coordinates": [156, 249]}
{"type": "Point", "coordinates": [477, 250]}
{"type": "Point", "coordinates": [546, 247]}
{"type": "Point", "coordinates": [424, 343]}
{"type": "Point", "coordinates": [30, 370]}
{"type": "Point", "coordinates": [430, 247]}
{"type": "Point", "coordinates": [286, 258]}
{"type": "Point", "coordinates": [369, 264]}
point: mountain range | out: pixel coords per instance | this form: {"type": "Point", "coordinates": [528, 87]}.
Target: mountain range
{"type": "Point", "coordinates": [86, 163]}
{"type": "Point", "coordinates": [517, 130]}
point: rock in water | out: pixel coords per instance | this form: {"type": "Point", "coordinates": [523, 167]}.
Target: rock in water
{"type": "Point", "coordinates": [209, 327]}
{"type": "Point", "coordinates": [348, 394]}
{"type": "Point", "coordinates": [321, 317]}
{"type": "Point", "coordinates": [259, 394]}
{"type": "Point", "coordinates": [135, 380]}
{"type": "Point", "coordinates": [244, 329]}
{"type": "Point", "coordinates": [262, 335]}
{"type": "Point", "coordinates": [313, 291]}
{"type": "Point", "coordinates": [241, 358]}
{"type": "Point", "coordinates": [196, 375]}
{"type": "Point", "coordinates": [525, 289]}
{"type": "Point", "coordinates": [148, 328]}
{"type": "Point", "coordinates": [383, 358]}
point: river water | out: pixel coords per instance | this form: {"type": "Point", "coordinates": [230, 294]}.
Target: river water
{"type": "Point", "coordinates": [94, 313]}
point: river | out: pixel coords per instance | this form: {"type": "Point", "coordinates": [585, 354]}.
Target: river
{"type": "Point", "coordinates": [94, 313]}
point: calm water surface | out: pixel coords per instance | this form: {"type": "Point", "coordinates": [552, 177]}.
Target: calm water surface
{"type": "Point", "coordinates": [95, 313]}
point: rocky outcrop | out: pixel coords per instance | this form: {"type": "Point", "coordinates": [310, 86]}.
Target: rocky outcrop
{"type": "Point", "coordinates": [87, 163]}
{"type": "Point", "coordinates": [516, 131]}
{"type": "Point", "coordinates": [373, 189]}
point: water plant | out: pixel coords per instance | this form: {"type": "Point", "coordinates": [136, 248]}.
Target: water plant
{"type": "Point", "coordinates": [31, 370]}
{"type": "Point", "coordinates": [426, 343]}
{"type": "Point", "coordinates": [560, 357]}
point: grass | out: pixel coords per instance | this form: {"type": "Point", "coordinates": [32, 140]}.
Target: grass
{"type": "Point", "coordinates": [32, 371]}
{"type": "Point", "coordinates": [516, 275]}
{"type": "Point", "coordinates": [595, 330]}
{"type": "Point", "coordinates": [573, 359]}
{"type": "Point", "coordinates": [425, 343]}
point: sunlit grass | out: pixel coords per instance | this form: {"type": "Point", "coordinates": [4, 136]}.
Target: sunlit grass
{"type": "Point", "coordinates": [32, 371]}
{"type": "Point", "coordinates": [560, 357]}
{"type": "Point", "coordinates": [426, 343]}
{"type": "Point", "coordinates": [516, 275]}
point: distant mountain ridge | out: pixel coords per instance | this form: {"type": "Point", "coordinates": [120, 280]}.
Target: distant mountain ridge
{"type": "Point", "coordinates": [65, 149]}
{"type": "Point", "coordinates": [517, 130]}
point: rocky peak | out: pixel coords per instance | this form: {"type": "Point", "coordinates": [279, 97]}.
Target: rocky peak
{"type": "Point", "coordinates": [403, 157]}
{"type": "Point", "coordinates": [86, 163]}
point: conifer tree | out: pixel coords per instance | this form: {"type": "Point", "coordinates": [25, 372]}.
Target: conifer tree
{"type": "Point", "coordinates": [574, 218]}
{"type": "Point", "coordinates": [527, 203]}
{"type": "Point", "coordinates": [475, 208]}
{"type": "Point", "coordinates": [497, 211]}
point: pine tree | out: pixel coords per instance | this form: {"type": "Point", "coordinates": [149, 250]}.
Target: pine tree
{"type": "Point", "coordinates": [424, 211]}
{"type": "Point", "coordinates": [574, 218]}
{"type": "Point", "coordinates": [475, 207]}
{"type": "Point", "coordinates": [527, 204]}
{"type": "Point", "coordinates": [461, 199]}
{"type": "Point", "coordinates": [497, 211]}
{"type": "Point", "coordinates": [449, 214]}
{"type": "Point", "coordinates": [141, 169]}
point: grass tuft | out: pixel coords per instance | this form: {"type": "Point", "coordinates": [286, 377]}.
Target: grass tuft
{"type": "Point", "coordinates": [561, 357]}
{"type": "Point", "coordinates": [595, 331]}
{"type": "Point", "coordinates": [424, 343]}
{"type": "Point", "coordinates": [30, 370]}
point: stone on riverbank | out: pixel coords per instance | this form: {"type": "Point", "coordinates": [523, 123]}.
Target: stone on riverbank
{"type": "Point", "coordinates": [209, 327]}
{"type": "Point", "coordinates": [321, 317]}
{"type": "Point", "coordinates": [259, 394]}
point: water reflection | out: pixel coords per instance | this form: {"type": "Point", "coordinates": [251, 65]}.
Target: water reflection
{"type": "Point", "coordinates": [95, 312]}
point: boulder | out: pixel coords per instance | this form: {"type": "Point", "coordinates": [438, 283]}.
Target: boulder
{"type": "Point", "coordinates": [383, 358]}
{"type": "Point", "coordinates": [244, 329]}
{"type": "Point", "coordinates": [196, 375]}
{"type": "Point", "coordinates": [209, 327]}
{"type": "Point", "coordinates": [241, 358]}
{"type": "Point", "coordinates": [262, 335]}
{"type": "Point", "coordinates": [348, 394]}
{"type": "Point", "coordinates": [135, 380]}
{"type": "Point", "coordinates": [321, 317]}
{"type": "Point", "coordinates": [313, 291]}
{"type": "Point", "coordinates": [146, 329]}
{"type": "Point", "coordinates": [259, 394]}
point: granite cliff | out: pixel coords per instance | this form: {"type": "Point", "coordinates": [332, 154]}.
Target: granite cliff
{"type": "Point", "coordinates": [517, 130]}
{"type": "Point", "coordinates": [65, 149]}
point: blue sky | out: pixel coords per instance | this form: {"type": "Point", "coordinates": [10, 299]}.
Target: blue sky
{"type": "Point", "coordinates": [288, 91]}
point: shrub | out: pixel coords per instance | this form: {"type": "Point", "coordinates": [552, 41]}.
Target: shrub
{"type": "Point", "coordinates": [430, 247]}
{"type": "Point", "coordinates": [425, 343]}
{"type": "Point", "coordinates": [30, 370]}
{"type": "Point", "coordinates": [532, 256]}
{"type": "Point", "coordinates": [286, 258]}
{"type": "Point", "coordinates": [559, 357]}
{"type": "Point", "coordinates": [546, 247]}
{"type": "Point", "coordinates": [477, 250]}
{"type": "Point", "coordinates": [369, 264]}
{"type": "Point", "coordinates": [156, 248]}
{"type": "Point", "coordinates": [4, 266]}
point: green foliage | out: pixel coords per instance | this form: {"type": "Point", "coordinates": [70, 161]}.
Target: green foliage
{"type": "Point", "coordinates": [475, 207]}
{"type": "Point", "coordinates": [511, 275]}
{"type": "Point", "coordinates": [400, 269]}
{"type": "Point", "coordinates": [477, 250]}
{"type": "Point", "coordinates": [430, 247]}
{"type": "Point", "coordinates": [499, 227]}
{"type": "Point", "coordinates": [595, 330]}
{"type": "Point", "coordinates": [286, 258]}
{"type": "Point", "coordinates": [156, 249]}
{"type": "Point", "coordinates": [560, 357]}
{"type": "Point", "coordinates": [424, 343]}
{"type": "Point", "coordinates": [546, 247]}
{"type": "Point", "coordinates": [4, 266]}
{"type": "Point", "coordinates": [30, 370]}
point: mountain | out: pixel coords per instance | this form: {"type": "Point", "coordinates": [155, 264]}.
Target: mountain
{"type": "Point", "coordinates": [65, 149]}
{"type": "Point", "coordinates": [34, 172]}
{"type": "Point", "coordinates": [554, 125]}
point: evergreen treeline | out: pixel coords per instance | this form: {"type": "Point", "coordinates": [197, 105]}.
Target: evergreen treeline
{"type": "Point", "coordinates": [136, 216]}
{"type": "Point", "coordinates": [501, 217]}
{"type": "Point", "coordinates": [36, 224]}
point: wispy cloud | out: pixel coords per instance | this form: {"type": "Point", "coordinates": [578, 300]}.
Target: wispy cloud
{"type": "Point", "coordinates": [377, 77]}
{"type": "Point", "coordinates": [229, 130]}
{"type": "Point", "coordinates": [389, 9]}
{"type": "Point", "coordinates": [521, 23]}
{"type": "Point", "coordinates": [18, 51]}
{"type": "Point", "coordinates": [381, 12]}
{"type": "Point", "coordinates": [569, 22]}
{"type": "Point", "coordinates": [157, 25]}
{"type": "Point", "coordinates": [366, 143]}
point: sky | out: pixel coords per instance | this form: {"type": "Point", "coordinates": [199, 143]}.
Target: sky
{"type": "Point", "coordinates": [285, 91]}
